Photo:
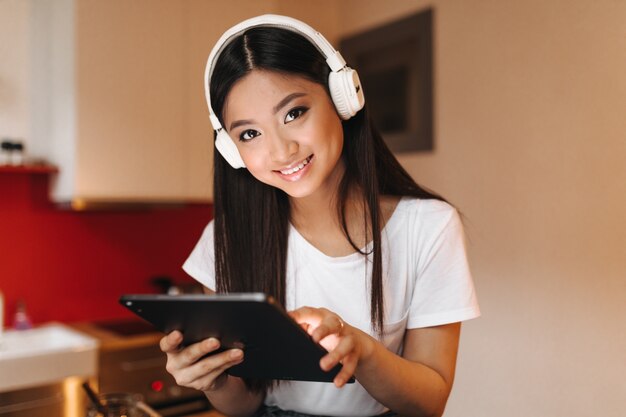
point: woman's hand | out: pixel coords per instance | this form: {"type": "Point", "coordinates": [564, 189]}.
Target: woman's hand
{"type": "Point", "coordinates": [190, 369]}
{"type": "Point", "coordinates": [345, 344]}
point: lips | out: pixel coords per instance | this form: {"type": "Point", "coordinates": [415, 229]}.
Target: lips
{"type": "Point", "coordinates": [296, 171]}
{"type": "Point", "coordinates": [297, 167]}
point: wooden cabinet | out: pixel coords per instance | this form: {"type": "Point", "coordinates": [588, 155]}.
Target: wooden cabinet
{"type": "Point", "coordinates": [118, 102]}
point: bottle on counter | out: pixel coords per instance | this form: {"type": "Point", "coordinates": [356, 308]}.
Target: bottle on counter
{"type": "Point", "coordinates": [17, 156]}
{"type": "Point", "coordinates": [22, 321]}
{"type": "Point", "coordinates": [6, 151]}
{"type": "Point", "coordinates": [11, 152]}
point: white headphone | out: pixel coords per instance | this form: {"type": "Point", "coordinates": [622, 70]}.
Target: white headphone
{"type": "Point", "coordinates": [343, 82]}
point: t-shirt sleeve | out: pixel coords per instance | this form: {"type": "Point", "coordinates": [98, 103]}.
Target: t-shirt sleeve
{"type": "Point", "coordinates": [201, 264]}
{"type": "Point", "coordinates": [444, 292]}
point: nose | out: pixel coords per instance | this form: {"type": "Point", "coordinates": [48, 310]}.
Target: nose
{"type": "Point", "coordinates": [282, 149]}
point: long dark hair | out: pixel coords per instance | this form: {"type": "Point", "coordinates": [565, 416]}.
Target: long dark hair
{"type": "Point", "coordinates": [251, 218]}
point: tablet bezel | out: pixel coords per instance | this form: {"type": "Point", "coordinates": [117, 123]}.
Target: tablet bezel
{"type": "Point", "coordinates": [275, 346]}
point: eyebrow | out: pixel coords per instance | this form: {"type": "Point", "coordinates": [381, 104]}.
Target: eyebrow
{"type": "Point", "coordinates": [286, 101]}
{"type": "Point", "coordinates": [275, 109]}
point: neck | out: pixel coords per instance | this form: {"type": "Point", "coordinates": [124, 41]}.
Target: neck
{"type": "Point", "coordinates": [320, 206]}
{"type": "Point", "coordinates": [317, 219]}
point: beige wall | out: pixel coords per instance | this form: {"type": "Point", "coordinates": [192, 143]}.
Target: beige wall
{"type": "Point", "coordinates": [14, 59]}
{"type": "Point", "coordinates": [531, 138]}
{"type": "Point", "coordinates": [531, 142]}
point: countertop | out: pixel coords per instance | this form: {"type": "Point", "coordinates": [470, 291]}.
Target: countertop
{"type": "Point", "coordinates": [111, 341]}
{"type": "Point", "coordinates": [45, 354]}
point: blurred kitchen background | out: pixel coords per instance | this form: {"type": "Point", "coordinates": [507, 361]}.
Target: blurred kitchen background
{"type": "Point", "coordinates": [530, 143]}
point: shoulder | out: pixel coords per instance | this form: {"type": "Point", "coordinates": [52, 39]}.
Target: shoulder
{"type": "Point", "coordinates": [208, 229]}
{"type": "Point", "coordinates": [200, 264]}
{"type": "Point", "coordinates": [424, 221]}
{"type": "Point", "coordinates": [428, 211]}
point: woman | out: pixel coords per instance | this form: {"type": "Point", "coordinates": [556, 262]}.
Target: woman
{"type": "Point", "coordinates": [312, 208]}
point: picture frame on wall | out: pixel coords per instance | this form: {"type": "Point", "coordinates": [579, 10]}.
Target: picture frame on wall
{"type": "Point", "coordinates": [395, 65]}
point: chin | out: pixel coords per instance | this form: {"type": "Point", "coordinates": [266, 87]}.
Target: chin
{"type": "Point", "coordinates": [300, 190]}
{"type": "Point", "coordinates": [298, 193]}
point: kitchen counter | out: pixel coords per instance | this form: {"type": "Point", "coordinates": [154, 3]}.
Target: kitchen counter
{"type": "Point", "coordinates": [111, 340]}
{"type": "Point", "coordinates": [130, 360]}
{"type": "Point", "coordinates": [45, 354]}
{"type": "Point", "coordinates": [42, 369]}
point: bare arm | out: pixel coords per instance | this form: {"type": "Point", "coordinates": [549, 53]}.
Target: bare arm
{"type": "Point", "coordinates": [415, 384]}
{"type": "Point", "coordinates": [418, 383]}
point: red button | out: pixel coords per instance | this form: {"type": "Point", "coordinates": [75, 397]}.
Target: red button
{"type": "Point", "coordinates": [157, 386]}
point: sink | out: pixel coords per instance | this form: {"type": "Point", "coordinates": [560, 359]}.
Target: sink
{"type": "Point", "coordinates": [45, 354]}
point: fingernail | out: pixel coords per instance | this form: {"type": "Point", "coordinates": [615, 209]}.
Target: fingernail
{"type": "Point", "coordinates": [212, 343]}
{"type": "Point", "coordinates": [338, 382]}
{"type": "Point", "coordinates": [236, 354]}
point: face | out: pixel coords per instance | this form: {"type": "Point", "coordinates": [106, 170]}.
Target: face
{"type": "Point", "coordinates": [287, 132]}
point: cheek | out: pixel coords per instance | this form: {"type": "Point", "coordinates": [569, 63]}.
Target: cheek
{"type": "Point", "coordinates": [334, 137]}
{"type": "Point", "coordinates": [329, 137]}
{"type": "Point", "coordinates": [254, 163]}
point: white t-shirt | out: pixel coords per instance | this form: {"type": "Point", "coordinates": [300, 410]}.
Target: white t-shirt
{"type": "Point", "coordinates": [426, 282]}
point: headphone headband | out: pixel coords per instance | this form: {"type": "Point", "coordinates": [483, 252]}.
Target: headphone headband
{"type": "Point", "coordinates": [347, 94]}
{"type": "Point", "coordinates": [333, 58]}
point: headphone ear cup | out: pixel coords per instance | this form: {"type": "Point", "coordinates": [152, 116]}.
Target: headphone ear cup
{"type": "Point", "coordinates": [346, 92]}
{"type": "Point", "coordinates": [227, 148]}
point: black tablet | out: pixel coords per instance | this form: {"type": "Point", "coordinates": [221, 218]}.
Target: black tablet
{"type": "Point", "coordinates": [274, 345]}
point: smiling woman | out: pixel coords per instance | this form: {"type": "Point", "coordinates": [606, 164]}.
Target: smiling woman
{"type": "Point", "coordinates": [313, 209]}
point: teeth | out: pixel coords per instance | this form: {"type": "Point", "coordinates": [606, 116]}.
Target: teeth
{"type": "Point", "coordinates": [296, 168]}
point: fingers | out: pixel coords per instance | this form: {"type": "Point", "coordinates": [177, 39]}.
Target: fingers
{"type": "Point", "coordinates": [340, 339]}
{"type": "Point", "coordinates": [204, 374]}
{"type": "Point", "coordinates": [331, 324]}
{"type": "Point", "coordinates": [345, 353]}
{"type": "Point", "coordinates": [318, 322]}
{"type": "Point", "coordinates": [307, 317]}
{"type": "Point", "coordinates": [171, 342]}
{"type": "Point", "coordinates": [345, 346]}
{"type": "Point", "coordinates": [347, 370]}
{"type": "Point", "coordinates": [191, 367]}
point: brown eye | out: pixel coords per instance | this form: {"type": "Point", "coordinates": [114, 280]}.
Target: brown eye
{"type": "Point", "coordinates": [248, 135]}
{"type": "Point", "coordinates": [295, 113]}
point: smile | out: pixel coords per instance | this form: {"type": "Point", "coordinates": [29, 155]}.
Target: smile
{"type": "Point", "coordinates": [297, 167]}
